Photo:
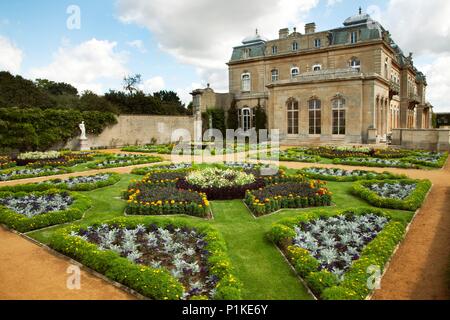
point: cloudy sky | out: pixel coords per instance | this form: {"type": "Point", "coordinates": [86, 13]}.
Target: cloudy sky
{"type": "Point", "coordinates": [181, 45]}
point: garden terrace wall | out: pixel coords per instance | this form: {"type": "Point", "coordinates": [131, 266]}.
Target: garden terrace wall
{"type": "Point", "coordinates": [427, 139]}
{"type": "Point", "coordinates": [138, 130]}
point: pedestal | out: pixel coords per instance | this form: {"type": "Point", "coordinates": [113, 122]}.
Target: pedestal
{"type": "Point", "coordinates": [84, 145]}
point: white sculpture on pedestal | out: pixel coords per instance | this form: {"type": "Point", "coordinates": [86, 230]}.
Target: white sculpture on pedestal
{"type": "Point", "coordinates": [83, 138]}
{"type": "Point", "coordinates": [83, 131]}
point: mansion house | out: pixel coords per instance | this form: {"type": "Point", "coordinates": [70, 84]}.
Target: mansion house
{"type": "Point", "coordinates": [351, 84]}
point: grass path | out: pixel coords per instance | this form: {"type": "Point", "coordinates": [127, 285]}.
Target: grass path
{"type": "Point", "coordinates": [259, 265]}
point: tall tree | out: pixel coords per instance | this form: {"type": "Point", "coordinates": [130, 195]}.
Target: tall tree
{"type": "Point", "coordinates": [131, 83]}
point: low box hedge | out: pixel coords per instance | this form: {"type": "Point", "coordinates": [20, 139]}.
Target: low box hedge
{"type": "Point", "coordinates": [374, 176]}
{"type": "Point", "coordinates": [61, 170]}
{"type": "Point", "coordinates": [361, 163]}
{"type": "Point", "coordinates": [153, 283]}
{"type": "Point", "coordinates": [59, 184]}
{"type": "Point", "coordinates": [101, 164]}
{"type": "Point", "coordinates": [22, 223]}
{"type": "Point", "coordinates": [411, 203]}
{"type": "Point", "coordinates": [324, 285]}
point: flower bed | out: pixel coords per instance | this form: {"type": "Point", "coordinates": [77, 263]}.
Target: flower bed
{"type": "Point", "coordinates": [287, 195]}
{"type": "Point", "coordinates": [123, 161]}
{"type": "Point", "coordinates": [340, 175]}
{"type": "Point", "coordinates": [81, 183]}
{"type": "Point", "coordinates": [29, 211]}
{"type": "Point", "coordinates": [161, 259]}
{"type": "Point", "coordinates": [67, 160]}
{"type": "Point", "coordinates": [173, 166]}
{"type": "Point", "coordinates": [15, 174]}
{"type": "Point", "coordinates": [403, 194]}
{"type": "Point", "coordinates": [429, 159]}
{"type": "Point", "coordinates": [390, 153]}
{"type": "Point", "coordinates": [337, 152]}
{"type": "Point", "coordinates": [39, 155]}
{"type": "Point", "coordinates": [154, 199]}
{"type": "Point", "coordinates": [6, 162]}
{"type": "Point", "coordinates": [375, 162]}
{"type": "Point", "coordinates": [151, 148]}
{"type": "Point", "coordinates": [332, 252]}
{"type": "Point", "coordinates": [220, 184]}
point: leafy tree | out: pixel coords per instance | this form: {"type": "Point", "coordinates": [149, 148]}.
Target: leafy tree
{"type": "Point", "coordinates": [16, 91]}
{"type": "Point", "coordinates": [131, 83]}
{"type": "Point", "coordinates": [260, 118]}
{"type": "Point", "coordinates": [56, 88]}
{"type": "Point", "coordinates": [89, 101]}
{"type": "Point", "coordinates": [170, 101]}
{"type": "Point", "coordinates": [232, 119]}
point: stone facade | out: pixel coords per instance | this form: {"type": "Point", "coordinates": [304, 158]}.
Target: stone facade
{"type": "Point", "coordinates": [139, 130]}
{"type": "Point", "coordinates": [347, 85]}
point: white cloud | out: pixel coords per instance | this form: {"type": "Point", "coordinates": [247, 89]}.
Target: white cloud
{"type": "Point", "coordinates": [88, 66]}
{"type": "Point", "coordinates": [331, 3]}
{"type": "Point", "coordinates": [10, 56]}
{"type": "Point", "coordinates": [202, 33]}
{"type": "Point", "coordinates": [438, 77]}
{"type": "Point", "coordinates": [419, 26]}
{"type": "Point", "coordinates": [153, 85]}
{"type": "Point", "coordinates": [185, 93]}
{"type": "Point", "coordinates": [137, 44]}
{"type": "Point", "coordinates": [423, 27]}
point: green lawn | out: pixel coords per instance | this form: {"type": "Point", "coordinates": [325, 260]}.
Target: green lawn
{"type": "Point", "coordinates": [258, 263]}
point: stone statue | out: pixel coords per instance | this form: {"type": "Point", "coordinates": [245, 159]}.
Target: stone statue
{"type": "Point", "coordinates": [83, 131]}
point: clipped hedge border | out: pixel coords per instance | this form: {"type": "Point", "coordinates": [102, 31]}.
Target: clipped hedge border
{"type": "Point", "coordinates": [411, 203]}
{"type": "Point", "coordinates": [159, 149]}
{"type": "Point", "coordinates": [352, 162]}
{"type": "Point", "coordinates": [323, 284]}
{"type": "Point", "coordinates": [133, 162]}
{"type": "Point", "coordinates": [439, 164]}
{"type": "Point", "coordinates": [62, 170]}
{"type": "Point", "coordinates": [23, 224]}
{"type": "Point", "coordinates": [30, 187]}
{"type": "Point", "coordinates": [156, 284]}
{"type": "Point", "coordinates": [379, 176]}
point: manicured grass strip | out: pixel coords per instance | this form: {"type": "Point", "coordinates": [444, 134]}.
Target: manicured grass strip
{"type": "Point", "coordinates": [259, 265]}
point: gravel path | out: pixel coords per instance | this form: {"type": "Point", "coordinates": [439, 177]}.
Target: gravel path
{"type": "Point", "coordinates": [419, 269]}
{"type": "Point", "coordinates": [28, 271]}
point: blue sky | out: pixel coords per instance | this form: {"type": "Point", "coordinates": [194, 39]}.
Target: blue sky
{"type": "Point", "coordinates": [175, 45]}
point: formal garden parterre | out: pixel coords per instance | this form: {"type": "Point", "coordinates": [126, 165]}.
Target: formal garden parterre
{"type": "Point", "coordinates": [166, 241]}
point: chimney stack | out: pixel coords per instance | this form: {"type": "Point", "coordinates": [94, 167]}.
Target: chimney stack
{"type": "Point", "coordinates": [310, 28]}
{"type": "Point", "coordinates": [284, 33]}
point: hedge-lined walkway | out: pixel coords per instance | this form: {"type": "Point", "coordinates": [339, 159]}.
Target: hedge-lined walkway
{"type": "Point", "coordinates": [419, 270]}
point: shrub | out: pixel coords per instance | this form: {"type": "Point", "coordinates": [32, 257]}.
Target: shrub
{"type": "Point", "coordinates": [22, 223]}
{"type": "Point", "coordinates": [319, 281]}
{"type": "Point", "coordinates": [411, 203]}
{"type": "Point", "coordinates": [112, 178]}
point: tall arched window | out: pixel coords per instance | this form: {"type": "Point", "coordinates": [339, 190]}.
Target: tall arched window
{"type": "Point", "coordinates": [245, 118]}
{"type": "Point", "coordinates": [274, 75]}
{"type": "Point", "coordinates": [355, 64]}
{"type": "Point", "coordinates": [295, 72]}
{"type": "Point", "coordinates": [338, 110]}
{"type": "Point", "coordinates": [294, 46]}
{"type": "Point", "coordinates": [315, 116]}
{"type": "Point", "coordinates": [246, 82]}
{"type": "Point", "coordinates": [292, 116]}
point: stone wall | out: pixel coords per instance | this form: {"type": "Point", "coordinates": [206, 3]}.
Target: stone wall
{"type": "Point", "coordinates": [427, 139]}
{"type": "Point", "coordinates": [138, 130]}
